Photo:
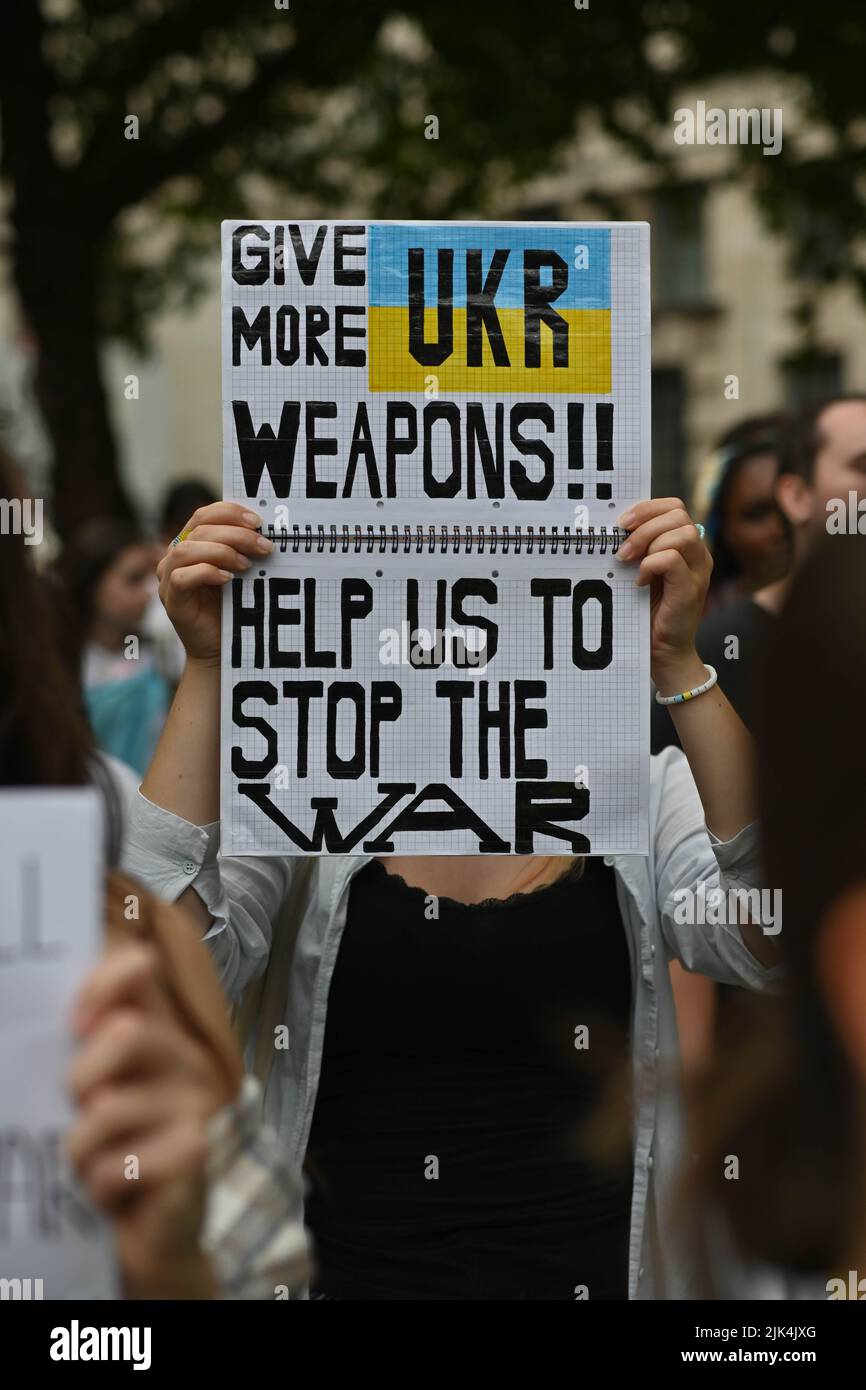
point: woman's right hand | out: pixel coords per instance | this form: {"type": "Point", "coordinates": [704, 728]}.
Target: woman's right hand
{"type": "Point", "coordinates": [145, 1088]}
{"type": "Point", "coordinates": [221, 542]}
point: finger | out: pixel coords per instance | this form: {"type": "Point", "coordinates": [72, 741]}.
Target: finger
{"type": "Point", "coordinates": [223, 514]}
{"type": "Point", "coordinates": [128, 974]}
{"type": "Point", "coordinates": [186, 578]}
{"type": "Point", "coordinates": [671, 566]}
{"type": "Point", "coordinates": [128, 1042]}
{"type": "Point", "coordinates": [640, 540]}
{"type": "Point", "coordinates": [686, 540]}
{"type": "Point", "coordinates": [651, 507]}
{"type": "Point", "coordinates": [115, 1111]}
{"type": "Point", "coordinates": [177, 1151]}
{"type": "Point", "coordinates": [194, 551]}
{"type": "Point", "coordinates": [239, 538]}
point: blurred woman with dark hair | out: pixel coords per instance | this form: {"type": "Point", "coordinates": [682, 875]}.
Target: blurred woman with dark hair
{"type": "Point", "coordinates": [106, 578]}
{"type": "Point", "coordinates": [44, 738]}
{"type": "Point", "coordinates": [797, 1118]}
{"type": "Point", "coordinates": [746, 531]}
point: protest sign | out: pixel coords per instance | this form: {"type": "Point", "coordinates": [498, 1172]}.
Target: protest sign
{"type": "Point", "coordinates": [52, 1243]}
{"type": "Point", "coordinates": [438, 425]}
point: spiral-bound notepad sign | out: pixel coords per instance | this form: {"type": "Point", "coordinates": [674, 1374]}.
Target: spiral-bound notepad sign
{"type": "Point", "coordinates": [439, 426]}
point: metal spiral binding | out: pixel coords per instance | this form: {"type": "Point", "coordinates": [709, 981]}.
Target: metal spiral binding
{"type": "Point", "coordinates": [454, 540]}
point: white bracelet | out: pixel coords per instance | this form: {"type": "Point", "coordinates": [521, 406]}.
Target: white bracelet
{"type": "Point", "coordinates": [690, 694]}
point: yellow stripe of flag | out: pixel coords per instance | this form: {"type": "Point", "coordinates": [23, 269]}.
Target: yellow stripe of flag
{"type": "Point", "coordinates": [392, 368]}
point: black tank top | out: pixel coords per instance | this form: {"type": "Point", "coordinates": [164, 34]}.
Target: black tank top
{"type": "Point", "coordinates": [464, 1054]}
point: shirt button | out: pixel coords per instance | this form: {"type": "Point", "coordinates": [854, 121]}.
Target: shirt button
{"type": "Point", "coordinates": [640, 1272]}
{"type": "Point", "coordinates": [189, 867]}
{"type": "Point", "coordinates": [656, 1053]}
{"type": "Point", "coordinates": [649, 1162]}
{"type": "Point", "coordinates": [652, 948]}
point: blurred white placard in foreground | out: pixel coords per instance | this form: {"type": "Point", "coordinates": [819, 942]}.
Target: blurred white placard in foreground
{"type": "Point", "coordinates": [52, 1244]}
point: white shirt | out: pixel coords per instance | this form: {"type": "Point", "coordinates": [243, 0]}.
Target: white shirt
{"type": "Point", "coordinates": [246, 898]}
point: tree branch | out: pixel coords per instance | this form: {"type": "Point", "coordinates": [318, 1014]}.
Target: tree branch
{"type": "Point", "coordinates": [179, 30]}
{"type": "Point", "coordinates": [148, 167]}
{"type": "Point", "coordinates": [310, 60]}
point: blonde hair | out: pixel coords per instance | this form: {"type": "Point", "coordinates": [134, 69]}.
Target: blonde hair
{"type": "Point", "coordinates": [539, 870]}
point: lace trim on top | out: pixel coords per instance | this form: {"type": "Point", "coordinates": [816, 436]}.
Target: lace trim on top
{"type": "Point", "coordinates": [396, 881]}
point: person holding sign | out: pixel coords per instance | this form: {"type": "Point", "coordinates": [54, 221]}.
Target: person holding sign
{"type": "Point", "coordinates": [167, 1138]}
{"type": "Point", "coordinates": [452, 1022]}
{"type": "Point", "coordinates": [163, 1118]}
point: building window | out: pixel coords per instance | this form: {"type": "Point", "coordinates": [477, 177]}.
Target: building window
{"type": "Point", "coordinates": [810, 378]}
{"type": "Point", "coordinates": [668, 432]}
{"type": "Point", "coordinates": [819, 246]}
{"type": "Point", "coordinates": [678, 248]}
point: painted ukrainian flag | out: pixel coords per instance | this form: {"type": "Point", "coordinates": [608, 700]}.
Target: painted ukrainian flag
{"type": "Point", "coordinates": [508, 309]}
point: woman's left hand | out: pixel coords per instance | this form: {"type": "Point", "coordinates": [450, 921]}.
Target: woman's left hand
{"type": "Point", "coordinates": [674, 561]}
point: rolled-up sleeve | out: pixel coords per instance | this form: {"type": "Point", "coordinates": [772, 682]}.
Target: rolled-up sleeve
{"type": "Point", "coordinates": [693, 866]}
{"type": "Point", "coordinates": [167, 853]}
{"type": "Point", "coordinates": [739, 859]}
{"type": "Point", "coordinates": [242, 896]}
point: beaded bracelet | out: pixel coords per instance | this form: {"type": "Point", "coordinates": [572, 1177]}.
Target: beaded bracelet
{"type": "Point", "coordinates": [690, 694]}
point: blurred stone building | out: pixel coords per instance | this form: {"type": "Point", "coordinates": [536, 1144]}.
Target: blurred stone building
{"type": "Point", "coordinates": [724, 287]}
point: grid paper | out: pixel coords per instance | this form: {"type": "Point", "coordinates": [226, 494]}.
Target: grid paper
{"type": "Point", "coordinates": [595, 719]}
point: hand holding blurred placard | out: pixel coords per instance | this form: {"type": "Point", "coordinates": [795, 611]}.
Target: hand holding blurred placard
{"type": "Point", "coordinates": [52, 1244]}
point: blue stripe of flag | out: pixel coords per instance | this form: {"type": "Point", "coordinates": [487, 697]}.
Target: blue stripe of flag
{"type": "Point", "coordinates": [390, 243]}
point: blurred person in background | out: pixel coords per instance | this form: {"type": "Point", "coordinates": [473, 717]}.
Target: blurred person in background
{"type": "Point", "coordinates": [746, 531]}
{"type": "Point", "coordinates": [106, 581]}
{"type": "Point", "coordinates": [796, 1114]}
{"type": "Point", "coordinates": [179, 502]}
{"type": "Point", "coordinates": [750, 542]}
{"type": "Point", "coordinates": [158, 1072]}
{"type": "Point", "coordinates": [822, 456]}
